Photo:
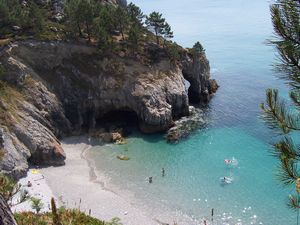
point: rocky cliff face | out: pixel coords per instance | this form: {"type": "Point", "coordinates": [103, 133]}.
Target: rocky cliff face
{"type": "Point", "coordinates": [60, 89]}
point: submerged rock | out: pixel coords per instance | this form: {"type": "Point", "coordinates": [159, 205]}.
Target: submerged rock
{"type": "Point", "coordinates": [123, 157]}
{"type": "Point", "coordinates": [186, 125]}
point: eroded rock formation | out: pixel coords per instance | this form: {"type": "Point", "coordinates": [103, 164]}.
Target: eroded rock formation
{"type": "Point", "coordinates": [61, 88]}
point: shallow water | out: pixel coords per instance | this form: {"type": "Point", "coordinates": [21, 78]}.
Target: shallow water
{"type": "Point", "coordinates": [233, 34]}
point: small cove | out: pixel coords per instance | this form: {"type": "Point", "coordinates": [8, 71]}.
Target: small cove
{"type": "Point", "coordinates": [234, 35]}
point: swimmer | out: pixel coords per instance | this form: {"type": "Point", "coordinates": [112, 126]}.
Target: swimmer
{"type": "Point", "coordinates": [163, 172]}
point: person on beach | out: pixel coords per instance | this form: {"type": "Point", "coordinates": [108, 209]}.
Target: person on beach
{"type": "Point", "coordinates": [29, 184]}
{"type": "Point", "coordinates": [205, 222]}
{"type": "Point", "coordinates": [212, 214]}
{"type": "Point", "coordinates": [150, 180]}
{"type": "Point", "coordinates": [163, 172]}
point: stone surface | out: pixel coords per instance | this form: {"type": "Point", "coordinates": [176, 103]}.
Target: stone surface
{"type": "Point", "coordinates": [186, 125]}
{"type": "Point", "coordinates": [68, 87]}
{"type": "Point", "coordinates": [196, 70]}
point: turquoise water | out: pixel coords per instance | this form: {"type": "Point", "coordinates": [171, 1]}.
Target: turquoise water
{"type": "Point", "coordinates": [233, 34]}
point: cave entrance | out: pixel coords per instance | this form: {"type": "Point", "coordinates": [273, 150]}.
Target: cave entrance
{"type": "Point", "coordinates": [126, 119]}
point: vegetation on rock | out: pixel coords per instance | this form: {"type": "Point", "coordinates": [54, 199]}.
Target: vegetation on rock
{"type": "Point", "coordinates": [67, 217]}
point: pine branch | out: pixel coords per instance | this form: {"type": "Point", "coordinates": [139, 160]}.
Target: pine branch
{"type": "Point", "coordinates": [286, 149]}
{"type": "Point", "coordinates": [277, 114]}
{"type": "Point", "coordinates": [293, 202]}
{"type": "Point", "coordinates": [287, 171]}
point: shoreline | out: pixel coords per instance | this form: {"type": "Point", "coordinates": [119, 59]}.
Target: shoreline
{"type": "Point", "coordinates": [83, 188]}
{"type": "Point", "coordinates": [78, 184]}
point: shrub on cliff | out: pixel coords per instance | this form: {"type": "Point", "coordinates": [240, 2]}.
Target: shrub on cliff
{"type": "Point", "coordinates": [9, 189]}
{"type": "Point", "coordinates": [67, 217]}
{"type": "Point", "coordinates": [197, 49]}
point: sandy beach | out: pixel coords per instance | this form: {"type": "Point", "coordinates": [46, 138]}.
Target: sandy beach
{"type": "Point", "coordinates": [75, 185]}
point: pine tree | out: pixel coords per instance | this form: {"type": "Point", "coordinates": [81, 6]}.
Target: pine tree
{"type": "Point", "coordinates": [73, 22]}
{"type": "Point", "coordinates": [136, 14]}
{"type": "Point", "coordinates": [168, 33]}
{"type": "Point", "coordinates": [134, 37]}
{"type": "Point", "coordinates": [86, 16]}
{"type": "Point", "coordinates": [278, 113]}
{"type": "Point", "coordinates": [197, 49]}
{"type": "Point", "coordinates": [122, 20]}
{"type": "Point", "coordinates": [156, 23]}
{"type": "Point", "coordinates": [36, 18]}
{"type": "Point", "coordinates": [104, 24]}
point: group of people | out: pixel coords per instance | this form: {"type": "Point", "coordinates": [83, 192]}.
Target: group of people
{"type": "Point", "coordinates": [163, 173]}
{"type": "Point", "coordinates": [230, 163]}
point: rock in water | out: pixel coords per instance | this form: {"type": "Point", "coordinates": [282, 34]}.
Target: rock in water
{"type": "Point", "coordinates": [123, 157]}
{"type": "Point", "coordinates": [186, 125]}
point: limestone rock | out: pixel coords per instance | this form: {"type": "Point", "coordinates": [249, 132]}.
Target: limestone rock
{"type": "Point", "coordinates": [197, 71]}
{"type": "Point", "coordinates": [186, 125]}
{"type": "Point", "coordinates": [68, 87]}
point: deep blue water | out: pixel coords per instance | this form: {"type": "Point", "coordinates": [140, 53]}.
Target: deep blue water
{"type": "Point", "coordinates": [234, 35]}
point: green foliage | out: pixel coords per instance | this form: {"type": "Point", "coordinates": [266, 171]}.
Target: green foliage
{"type": "Point", "coordinates": [7, 186]}
{"type": "Point", "coordinates": [2, 72]}
{"type": "Point", "coordinates": [122, 20]}
{"type": "Point", "coordinates": [173, 51]}
{"type": "Point", "coordinates": [197, 49]}
{"type": "Point", "coordinates": [80, 16]}
{"type": "Point", "coordinates": [156, 23]}
{"type": "Point", "coordinates": [36, 204]}
{"type": "Point", "coordinates": [72, 20]}
{"type": "Point", "coordinates": [86, 16]}
{"type": "Point", "coordinates": [168, 33]}
{"type": "Point", "coordinates": [285, 18]}
{"type": "Point", "coordinates": [35, 18]}
{"type": "Point", "coordinates": [134, 37]}
{"type": "Point", "coordinates": [67, 217]}
{"type": "Point", "coordinates": [136, 14]}
{"type": "Point", "coordinates": [278, 113]}
{"type": "Point", "coordinates": [28, 18]}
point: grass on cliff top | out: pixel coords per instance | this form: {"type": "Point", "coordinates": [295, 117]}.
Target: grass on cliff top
{"type": "Point", "coordinates": [66, 217]}
{"type": "Point", "coordinates": [9, 102]}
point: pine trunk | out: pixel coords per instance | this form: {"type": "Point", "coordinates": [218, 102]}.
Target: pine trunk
{"type": "Point", "coordinates": [6, 216]}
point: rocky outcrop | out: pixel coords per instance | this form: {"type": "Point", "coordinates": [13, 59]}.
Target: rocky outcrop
{"type": "Point", "coordinates": [186, 125]}
{"type": "Point", "coordinates": [196, 70]}
{"type": "Point", "coordinates": [65, 88]}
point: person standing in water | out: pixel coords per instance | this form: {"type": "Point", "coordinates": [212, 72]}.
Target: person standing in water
{"type": "Point", "coordinates": [150, 180]}
{"type": "Point", "coordinates": [212, 214]}
{"type": "Point", "coordinates": [163, 172]}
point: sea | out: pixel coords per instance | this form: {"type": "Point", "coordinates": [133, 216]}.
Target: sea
{"type": "Point", "coordinates": [234, 34]}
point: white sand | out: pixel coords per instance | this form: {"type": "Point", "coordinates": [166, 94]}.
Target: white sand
{"type": "Point", "coordinates": [75, 182]}
{"type": "Point", "coordinates": [39, 189]}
